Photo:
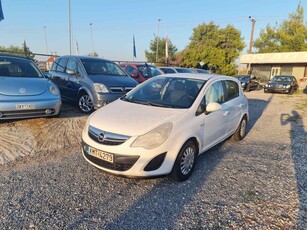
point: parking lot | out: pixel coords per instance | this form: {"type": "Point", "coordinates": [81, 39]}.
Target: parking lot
{"type": "Point", "coordinates": [259, 182]}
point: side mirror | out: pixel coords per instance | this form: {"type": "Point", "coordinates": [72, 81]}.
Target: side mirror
{"type": "Point", "coordinates": [71, 72]}
{"type": "Point", "coordinates": [212, 107]}
{"type": "Point", "coordinates": [134, 74]}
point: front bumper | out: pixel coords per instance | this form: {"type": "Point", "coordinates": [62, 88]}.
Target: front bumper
{"type": "Point", "coordinates": [276, 90]}
{"type": "Point", "coordinates": [101, 99]}
{"type": "Point", "coordinates": [8, 109]}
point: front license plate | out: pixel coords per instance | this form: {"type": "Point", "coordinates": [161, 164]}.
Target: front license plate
{"type": "Point", "coordinates": [100, 154]}
{"type": "Point", "coordinates": [25, 106]}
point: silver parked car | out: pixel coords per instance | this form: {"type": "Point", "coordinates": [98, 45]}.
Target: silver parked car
{"type": "Point", "coordinates": [24, 90]}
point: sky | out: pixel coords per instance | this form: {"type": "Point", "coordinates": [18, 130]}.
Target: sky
{"type": "Point", "coordinates": [107, 27]}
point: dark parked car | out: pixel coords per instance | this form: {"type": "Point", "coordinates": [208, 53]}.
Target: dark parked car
{"type": "Point", "coordinates": [197, 70]}
{"type": "Point", "coordinates": [91, 82]}
{"type": "Point", "coordinates": [170, 70]}
{"type": "Point", "coordinates": [282, 84]}
{"type": "Point", "coordinates": [249, 82]}
{"type": "Point", "coordinates": [25, 92]}
{"type": "Point", "coordinates": [140, 72]}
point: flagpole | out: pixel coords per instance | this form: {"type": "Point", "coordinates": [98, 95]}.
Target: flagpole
{"type": "Point", "coordinates": [69, 27]}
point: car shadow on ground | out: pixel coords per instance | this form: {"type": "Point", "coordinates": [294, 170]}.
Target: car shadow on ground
{"type": "Point", "coordinates": [166, 201]}
{"type": "Point", "coordinates": [255, 114]}
{"type": "Point", "coordinates": [299, 156]}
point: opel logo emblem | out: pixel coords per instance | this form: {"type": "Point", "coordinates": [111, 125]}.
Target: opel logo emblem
{"type": "Point", "coordinates": [101, 137]}
{"type": "Point", "coordinates": [22, 90]}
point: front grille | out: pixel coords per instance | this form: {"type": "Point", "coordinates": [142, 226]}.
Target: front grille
{"type": "Point", "coordinates": [106, 138]}
{"type": "Point", "coordinates": [24, 113]}
{"type": "Point", "coordinates": [120, 89]}
{"type": "Point", "coordinates": [121, 162]}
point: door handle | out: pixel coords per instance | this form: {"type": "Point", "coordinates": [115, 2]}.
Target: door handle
{"type": "Point", "coordinates": [226, 113]}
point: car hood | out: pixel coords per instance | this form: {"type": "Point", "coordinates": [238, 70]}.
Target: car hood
{"type": "Point", "coordinates": [21, 86]}
{"type": "Point", "coordinates": [132, 119]}
{"type": "Point", "coordinates": [113, 80]}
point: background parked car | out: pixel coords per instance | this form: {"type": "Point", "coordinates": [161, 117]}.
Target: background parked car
{"type": "Point", "coordinates": [183, 116]}
{"type": "Point", "coordinates": [91, 82]}
{"type": "Point", "coordinates": [140, 72]}
{"type": "Point", "coordinates": [282, 84]}
{"type": "Point", "coordinates": [170, 70]}
{"type": "Point", "coordinates": [249, 82]}
{"type": "Point", "coordinates": [24, 90]}
{"type": "Point", "coordinates": [197, 70]}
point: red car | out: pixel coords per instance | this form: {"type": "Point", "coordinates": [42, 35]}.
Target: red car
{"type": "Point", "coordinates": [140, 72]}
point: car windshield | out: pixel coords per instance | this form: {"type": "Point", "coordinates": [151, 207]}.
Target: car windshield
{"type": "Point", "coordinates": [102, 67]}
{"type": "Point", "coordinates": [282, 78]}
{"type": "Point", "coordinates": [243, 77]}
{"type": "Point", "coordinates": [166, 92]}
{"type": "Point", "coordinates": [10, 67]}
{"type": "Point", "coordinates": [183, 70]}
{"type": "Point", "coordinates": [149, 71]}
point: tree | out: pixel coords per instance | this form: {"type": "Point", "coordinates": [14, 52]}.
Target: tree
{"type": "Point", "coordinates": [216, 48]}
{"type": "Point", "coordinates": [289, 36]}
{"type": "Point", "coordinates": [151, 54]}
{"type": "Point", "coordinates": [93, 54]}
{"type": "Point", "coordinates": [23, 51]}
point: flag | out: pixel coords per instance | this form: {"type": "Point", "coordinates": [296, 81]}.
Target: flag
{"type": "Point", "coordinates": [134, 49]}
{"type": "Point", "coordinates": [166, 46]}
{"type": "Point", "coordinates": [1, 12]}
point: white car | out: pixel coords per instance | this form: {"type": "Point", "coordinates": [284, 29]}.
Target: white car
{"type": "Point", "coordinates": [162, 125]}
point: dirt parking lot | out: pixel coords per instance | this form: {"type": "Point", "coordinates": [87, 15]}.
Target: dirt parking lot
{"type": "Point", "coordinates": [258, 183]}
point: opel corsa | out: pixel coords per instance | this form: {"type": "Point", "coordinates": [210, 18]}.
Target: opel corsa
{"type": "Point", "coordinates": [161, 126]}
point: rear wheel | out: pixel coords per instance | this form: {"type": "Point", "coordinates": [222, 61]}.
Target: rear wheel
{"type": "Point", "coordinates": [185, 162]}
{"type": "Point", "coordinates": [85, 104]}
{"type": "Point", "coordinates": [241, 130]}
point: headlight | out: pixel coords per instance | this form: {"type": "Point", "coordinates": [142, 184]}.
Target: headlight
{"type": "Point", "coordinates": [54, 90]}
{"type": "Point", "coordinates": [154, 138]}
{"type": "Point", "coordinates": [243, 84]}
{"type": "Point", "coordinates": [266, 85]}
{"type": "Point", "coordinates": [100, 88]}
{"type": "Point", "coordinates": [288, 86]}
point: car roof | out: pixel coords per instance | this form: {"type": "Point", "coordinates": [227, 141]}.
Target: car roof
{"type": "Point", "coordinates": [197, 76]}
{"type": "Point", "coordinates": [84, 57]}
{"type": "Point", "coordinates": [135, 64]}
{"type": "Point", "coordinates": [15, 57]}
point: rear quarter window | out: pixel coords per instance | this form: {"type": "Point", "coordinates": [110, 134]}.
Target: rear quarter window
{"type": "Point", "coordinates": [232, 90]}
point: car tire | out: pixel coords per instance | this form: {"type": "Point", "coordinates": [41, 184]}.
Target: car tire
{"type": "Point", "coordinates": [185, 162]}
{"type": "Point", "coordinates": [247, 88]}
{"type": "Point", "coordinates": [85, 104]}
{"type": "Point", "coordinates": [291, 91]}
{"type": "Point", "coordinates": [240, 133]}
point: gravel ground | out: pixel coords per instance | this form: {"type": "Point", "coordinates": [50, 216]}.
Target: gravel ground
{"type": "Point", "coordinates": [258, 183]}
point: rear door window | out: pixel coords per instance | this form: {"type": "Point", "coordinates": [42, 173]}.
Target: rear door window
{"type": "Point", "coordinates": [232, 90]}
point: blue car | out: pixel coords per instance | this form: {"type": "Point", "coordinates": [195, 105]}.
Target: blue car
{"type": "Point", "coordinates": [24, 90]}
{"type": "Point", "coordinates": [89, 82]}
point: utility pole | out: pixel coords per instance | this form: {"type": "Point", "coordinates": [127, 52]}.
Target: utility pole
{"type": "Point", "coordinates": [69, 27]}
{"type": "Point", "coordinates": [46, 39]}
{"type": "Point", "coordinates": [92, 41]}
{"type": "Point", "coordinates": [251, 42]}
{"type": "Point", "coordinates": [157, 45]}
{"type": "Point", "coordinates": [252, 34]}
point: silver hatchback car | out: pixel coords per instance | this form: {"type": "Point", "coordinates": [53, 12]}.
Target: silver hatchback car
{"type": "Point", "coordinates": [24, 91]}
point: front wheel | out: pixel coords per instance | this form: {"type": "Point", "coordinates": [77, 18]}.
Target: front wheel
{"type": "Point", "coordinates": [185, 162]}
{"type": "Point", "coordinates": [241, 130]}
{"type": "Point", "coordinates": [85, 104]}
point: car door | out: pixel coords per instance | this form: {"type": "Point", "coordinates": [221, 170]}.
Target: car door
{"type": "Point", "coordinates": [214, 123]}
{"type": "Point", "coordinates": [233, 105]}
{"type": "Point", "coordinates": [72, 79]}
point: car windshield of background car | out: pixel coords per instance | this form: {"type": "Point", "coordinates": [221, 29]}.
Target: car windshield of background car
{"type": "Point", "coordinates": [149, 71]}
{"type": "Point", "coordinates": [18, 68]}
{"type": "Point", "coordinates": [166, 92]}
{"type": "Point", "coordinates": [101, 67]}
